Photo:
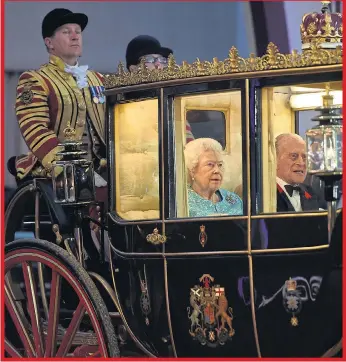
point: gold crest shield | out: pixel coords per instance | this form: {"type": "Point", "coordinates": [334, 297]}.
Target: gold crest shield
{"type": "Point", "coordinates": [209, 313]}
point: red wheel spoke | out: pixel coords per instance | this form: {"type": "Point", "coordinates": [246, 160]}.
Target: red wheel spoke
{"type": "Point", "coordinates": [17, 295]}
{"type": "Point", "coordinates": [54, 309]}
{"type": "Point", "coordinates": [30, 287]}
{"type": "Point", "coordinates": [35, 334]}
{"type": "Point", "coordinates": [18, 322]}
{"type": "Point", "coordinates": [42, 289]}
{"type": "Point", "coordinates": [11, 350]}
{"type": "Point", "coordinates": [71, 330]}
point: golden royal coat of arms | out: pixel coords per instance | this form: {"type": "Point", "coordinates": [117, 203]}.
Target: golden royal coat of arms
{"type": "Point", "coordinates": [211, 317]}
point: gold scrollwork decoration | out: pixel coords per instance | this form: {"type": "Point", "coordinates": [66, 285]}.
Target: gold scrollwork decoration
{"type": "Point", "coordinates": [273, 59]}
{"type": "Point", "coordinates": [156, 238]}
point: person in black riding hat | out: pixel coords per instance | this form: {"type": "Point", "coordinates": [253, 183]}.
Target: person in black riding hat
{"type": "Point", "coordinates": [155, 56]}
{"type": "Point", "coordinates": [148, 48]}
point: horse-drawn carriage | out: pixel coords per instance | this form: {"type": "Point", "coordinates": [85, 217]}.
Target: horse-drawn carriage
{"type": "Point", "coordinates": [156, 281]}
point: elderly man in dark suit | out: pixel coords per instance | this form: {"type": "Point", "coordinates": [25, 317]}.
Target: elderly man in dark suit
{"type": "Point", "coordinates": [292, 194]}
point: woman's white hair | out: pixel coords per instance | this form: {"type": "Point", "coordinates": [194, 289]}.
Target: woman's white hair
{"type": "Point", "coordinates": [195, 148]}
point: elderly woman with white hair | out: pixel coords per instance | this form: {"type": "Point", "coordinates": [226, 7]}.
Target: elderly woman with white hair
{"type": "Point", "coordinates": [203, 159]}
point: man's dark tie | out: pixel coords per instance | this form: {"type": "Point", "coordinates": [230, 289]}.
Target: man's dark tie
{"type": "Point", "coordinates": [290, 189]}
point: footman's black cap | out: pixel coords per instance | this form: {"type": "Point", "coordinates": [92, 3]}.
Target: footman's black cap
{"type": "Point", "coordinates": [58, 17]}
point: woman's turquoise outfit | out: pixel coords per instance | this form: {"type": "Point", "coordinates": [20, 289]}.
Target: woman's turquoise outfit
{"type": "Point", "coordinates": [229, 204]}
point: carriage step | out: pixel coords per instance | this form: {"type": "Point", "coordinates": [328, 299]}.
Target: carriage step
{"type": "Point", "coordinates": [24, 235]}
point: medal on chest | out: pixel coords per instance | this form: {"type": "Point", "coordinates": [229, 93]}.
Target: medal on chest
{"type": "Point", "coordinates": [97, 94]}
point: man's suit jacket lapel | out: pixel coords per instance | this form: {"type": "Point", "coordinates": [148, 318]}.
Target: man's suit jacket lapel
{"type": "Point", "coordinates": [308, 199]}
{"type": "Point", "coordinates": [283, 203]}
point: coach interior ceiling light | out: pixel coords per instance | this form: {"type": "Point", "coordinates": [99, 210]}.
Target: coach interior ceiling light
{"type": "Point", "coordinates": [301, 89]}
{"type": "Point", "coordinates": [312, 100]}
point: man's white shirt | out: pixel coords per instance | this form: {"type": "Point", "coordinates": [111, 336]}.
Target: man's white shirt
{"type": "Point", "coordinates": [294, 199]}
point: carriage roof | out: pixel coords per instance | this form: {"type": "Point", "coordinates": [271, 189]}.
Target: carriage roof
{"type": "Point", "coordinates": [271, 64]}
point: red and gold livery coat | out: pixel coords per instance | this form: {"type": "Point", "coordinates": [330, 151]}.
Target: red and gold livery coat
{"type": "Point", "coordinates": [49, 100]}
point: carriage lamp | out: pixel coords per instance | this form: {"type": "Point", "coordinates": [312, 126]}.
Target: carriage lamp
{"type": "Point", "coordinates": [324, 151]}
{"type": "Point", "coordinates": [73, 175]}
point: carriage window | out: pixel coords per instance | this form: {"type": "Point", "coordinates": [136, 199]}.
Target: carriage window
{"type": "Point", "coordinates": [209, 170]}
{"type": "Point", "coordinates": [304, 122]}
{"type": "Point", "coordinates": [206, 123]}
{"type": "Point", "coordinates": [137, 162]}
{"type": "Point", "coordinates": [286, 114]}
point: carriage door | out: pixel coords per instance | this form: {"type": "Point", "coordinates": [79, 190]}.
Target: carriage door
{"type": "Point", "coordinates": [135, 219]}
{"type": "Point", "coordinates": [207, 242]}
{"type": "Point", "coordinates": [290, 242]}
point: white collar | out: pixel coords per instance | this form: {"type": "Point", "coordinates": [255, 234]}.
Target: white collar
{"type": "Point", "coordinates": [281, 182]}
{"type": "Point", "coordinates": [294, 199]}
{"type": "Point", "coordinates": [79, 72]}
{"type": "Point", "coordinates": [68, 66]}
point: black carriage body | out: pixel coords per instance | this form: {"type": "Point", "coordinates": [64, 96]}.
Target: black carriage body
{"type": "Point", "coordinates": [216, 286]}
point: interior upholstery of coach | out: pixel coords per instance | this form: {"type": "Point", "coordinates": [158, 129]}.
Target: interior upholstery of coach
{"type": "Point", "coordinates": [137, 147]}
{"type": "Point", "coordinates": [137, 156]}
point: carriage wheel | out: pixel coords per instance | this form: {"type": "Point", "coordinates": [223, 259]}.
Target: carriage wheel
{"type": "Point", "coordinates": [87, 331]}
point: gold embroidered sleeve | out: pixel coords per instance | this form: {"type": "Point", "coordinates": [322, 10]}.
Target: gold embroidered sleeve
{"type": "Point", "coordinates": [32, 110]}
